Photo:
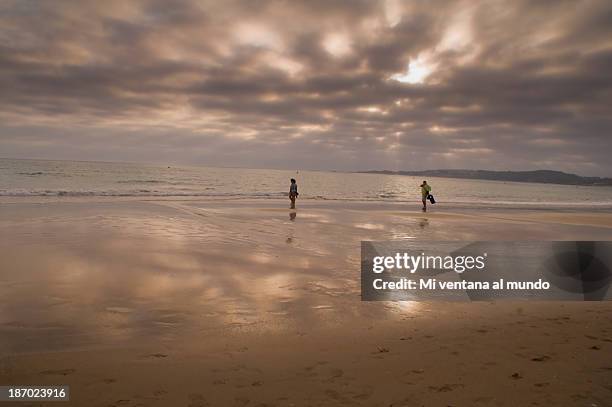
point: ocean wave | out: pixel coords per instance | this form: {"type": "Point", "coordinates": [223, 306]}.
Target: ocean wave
{"type": "Point", "coordinates": [44, 173]}
{"type": "Point", "coordinates": [30, 173]}
{"type": "Point", "coordinates": [373, 198]}
{"type": "Point", "coordinates": [135, 193]}
{"type": "Point", "coordinates": [153, 181]}
{"type": "Point", "coordinates": [141, 181]}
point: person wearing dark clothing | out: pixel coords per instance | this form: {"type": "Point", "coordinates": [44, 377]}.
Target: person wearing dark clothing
{"type": "Point", "coordinates": [293, 193]}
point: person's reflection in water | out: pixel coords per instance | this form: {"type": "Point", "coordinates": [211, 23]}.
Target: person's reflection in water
{"type": "Point", "coordinates": [292, 216]}
{"type": "Point", "coordinates": [423, 223]}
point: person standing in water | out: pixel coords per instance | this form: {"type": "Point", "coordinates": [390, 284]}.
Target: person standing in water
{"type": "Point", "coordinates": [293, 193]}
{"type": "Point", "coordinates": [425, 190]}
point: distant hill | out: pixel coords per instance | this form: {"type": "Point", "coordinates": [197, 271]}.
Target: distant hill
{"type": "Point", "coordinates": [539, 176]}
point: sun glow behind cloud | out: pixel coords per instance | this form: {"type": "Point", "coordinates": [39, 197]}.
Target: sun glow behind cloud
{"type": "Point", "coordinates": [337, 44]}
{"type": "Point", "coordinates": [418, 71]}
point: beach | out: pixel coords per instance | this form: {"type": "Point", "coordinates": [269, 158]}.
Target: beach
{"type": "Point", "coordinates": [449, 239]}
{"type": "Point", "coordinates": [196, 302]}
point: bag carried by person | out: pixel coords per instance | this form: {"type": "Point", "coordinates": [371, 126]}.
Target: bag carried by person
{"type": "Point", "coordinates": [431, 198]}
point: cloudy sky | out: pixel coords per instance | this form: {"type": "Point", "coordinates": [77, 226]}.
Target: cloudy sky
{"type": "Point", "coordinates": [318, 84]}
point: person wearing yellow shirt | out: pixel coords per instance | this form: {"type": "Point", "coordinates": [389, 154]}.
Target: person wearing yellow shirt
{"type": "Point", "coordinates": [425, 190]}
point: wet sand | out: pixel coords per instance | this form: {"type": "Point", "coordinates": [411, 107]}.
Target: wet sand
{"type": "Point", "coordinates": [246, 303]}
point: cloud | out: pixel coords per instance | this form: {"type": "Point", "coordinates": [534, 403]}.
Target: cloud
{"type": "Point", "coordinates": [313, 84]}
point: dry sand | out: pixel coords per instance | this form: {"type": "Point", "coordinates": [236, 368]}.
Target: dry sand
{"type": "Point", "coordinates": [246, 303]}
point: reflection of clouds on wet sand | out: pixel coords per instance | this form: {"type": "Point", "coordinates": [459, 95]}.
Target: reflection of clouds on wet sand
{"type": "Point", "coordinates": [82, 274]}
{"type": "Point", "coordinates": [170, 274]}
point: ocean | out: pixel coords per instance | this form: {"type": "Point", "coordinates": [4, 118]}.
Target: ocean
{"type": "Point", "coordinates": [28, 178]}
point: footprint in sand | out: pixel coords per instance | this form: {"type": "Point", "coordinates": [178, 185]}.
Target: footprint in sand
{"type": "Point", "coordinates": [446, 388]}
{"type": "Point", "coordinates": [310, 371]}
{"type": "Point", "coordinates": [157, 355]}
{"type": "Point", "coordinates": [336, 373]}
{"type": "Point", "coordinates": [333, 394]}
{"type": "Point", "coordinates": [483, 399]}
{"type": "Point", "coordinates": [362, 396]}
{"type": "Point", "coordinates": [118, 310]}
{"type": "Point", "coordinates": [60, 372]}
{"type": "Point", "coordinates": [159, 393]}
{"type": "Point", "coordinates": [197, 400]}
{"type": "Point", "coordinates": [241, 401]}
{"type": "Point", "coordinates": [540, 358]}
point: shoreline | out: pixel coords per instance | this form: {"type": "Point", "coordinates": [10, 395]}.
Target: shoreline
{"type": "Point", "coordinates": [280, 202]}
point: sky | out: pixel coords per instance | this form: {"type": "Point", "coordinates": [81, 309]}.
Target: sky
{"type": "Point", "coordinates": [318, 84]}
